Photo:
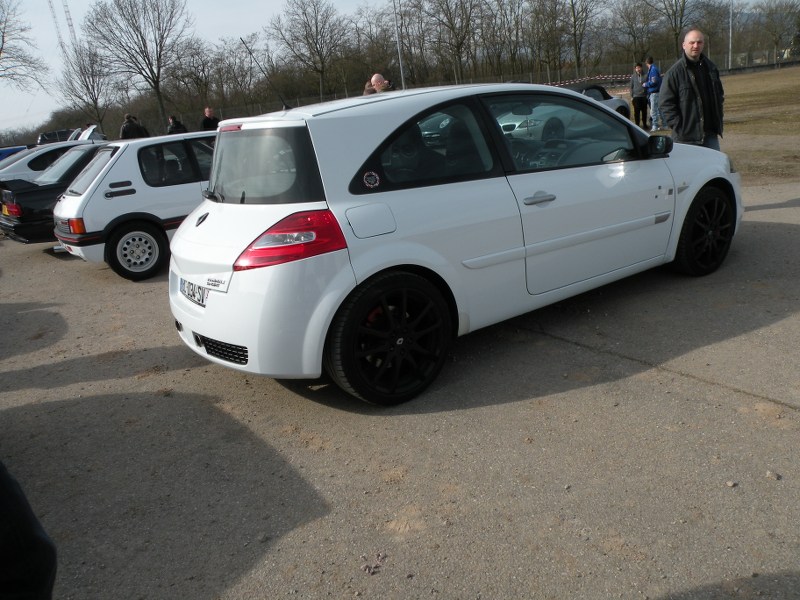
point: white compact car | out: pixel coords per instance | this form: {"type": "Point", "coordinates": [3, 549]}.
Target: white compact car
{"type": "Point", "coordinates": [362, 236]}
{"type": "Point", "coordinates": [125, 205]}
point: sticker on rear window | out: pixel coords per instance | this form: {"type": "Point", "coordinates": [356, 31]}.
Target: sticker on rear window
{"type": "Point", "coordinates": [371, 179]}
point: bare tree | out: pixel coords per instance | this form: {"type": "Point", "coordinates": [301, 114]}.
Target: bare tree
{"type": "Point", "coordinates": [312, 32]}
{"type": "Point", "coordinates": [141, 38]}
{"type": "Point", "coordinates": [779, 18]}
{"type": "Point", "coordinates": [454, 19]}
{"type": "Point", "coordinates": [545, 37]}
{"type": "Point", "coordinates": [18, 65]}
{"type": "Point", "coordinates": [677, 14]}
{"type": "Point", "coordinates": [193, 74]}
{"type": "Point", "coordinates": [87, 82]}
{"type": "Point", "coordinates": [579, 16]}
{"type": "Point", "coordinates": [501, 34]}
{"type": "Point", "coordinates": [373, 40]}
{"type": "Point", "coordinates": [634, 20]}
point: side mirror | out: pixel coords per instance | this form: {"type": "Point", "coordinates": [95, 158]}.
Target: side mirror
{"type": "Point", "coordinates": [659, 145]}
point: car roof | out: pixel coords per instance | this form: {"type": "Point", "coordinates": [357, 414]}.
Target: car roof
{"type": "Point", "coordinates": [146, 141]}
{"type": "Point", "coordinates": [389, 102]}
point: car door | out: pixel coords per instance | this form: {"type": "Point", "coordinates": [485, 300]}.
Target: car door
{"type": "Point", "coordinates": [590, 204]}
{"type": "Point", "coordinates": [435, 193]}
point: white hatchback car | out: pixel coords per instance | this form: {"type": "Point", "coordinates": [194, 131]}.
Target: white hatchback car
{"type": "Point", "coordinates": [347, 236]}
{"type": "Point", "coordinates": [125, 205]}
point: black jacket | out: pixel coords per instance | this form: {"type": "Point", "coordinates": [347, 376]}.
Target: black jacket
{"type": "Point", "coordinates": [176, 127]}
{"type": "Point", "coordinates": [681, 105]}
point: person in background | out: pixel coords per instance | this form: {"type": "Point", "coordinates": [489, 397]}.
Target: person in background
{"type": "Point", "coordinates": [692, 96]}
{"type": "Point", "coordinates": [376, 84]}
{"type": "Point", "coordinates": [131, 129]}
{"type": "Point", "coordinates": [639, 96]}
{"type": "Point", "coordinates": [653, 87]}
{"type": "Point", "coordinates": [209, 122]}
{"type": "Point", "coordinates": [175, 126]}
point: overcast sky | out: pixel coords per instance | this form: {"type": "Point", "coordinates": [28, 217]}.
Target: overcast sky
{"type": "Point", "coordinates": [213, 19]}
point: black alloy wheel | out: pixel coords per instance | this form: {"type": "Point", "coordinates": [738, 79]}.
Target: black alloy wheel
{"type": "Point", "coordinates": [707, 233]}
{"type": "Point", "coordinates": [389, 339]}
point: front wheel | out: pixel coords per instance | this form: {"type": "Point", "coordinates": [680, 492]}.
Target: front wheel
{"type": "Point", "coordinates": [707, 233]}
{"type": "Point", "coordinates": [389, 339]}
{"type": "Point", "coordinates": [137, 251]}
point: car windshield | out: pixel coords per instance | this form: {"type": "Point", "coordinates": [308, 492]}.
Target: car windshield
{"type": "Point", "coordinates": [265, 166]}
{"type": "Point", "coordinates": [56, 172]}
{"type": "Point", "coordinates": [85, 178]}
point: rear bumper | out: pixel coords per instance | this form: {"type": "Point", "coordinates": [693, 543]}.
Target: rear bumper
{"type": "Point", "coordinates": [27, 232]}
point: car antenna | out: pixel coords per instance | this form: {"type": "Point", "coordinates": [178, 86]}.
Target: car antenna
{"type": "Point", "coordinates": [264, 73]}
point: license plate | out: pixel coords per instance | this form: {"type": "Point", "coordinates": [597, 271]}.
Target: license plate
{"type": "Point", "coordinates": [195, 293]}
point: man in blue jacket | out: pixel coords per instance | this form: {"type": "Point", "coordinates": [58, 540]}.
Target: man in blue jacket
{"type": "Point", "coordinates": [692, 96]}
{"type": "Point", "coordinates": [653, 87]}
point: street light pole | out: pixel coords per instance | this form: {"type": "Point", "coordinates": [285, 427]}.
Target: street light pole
{"type": "Point", "coordinates": [730, 36]}
{"type": "Point", "coordinates": [397, 38]}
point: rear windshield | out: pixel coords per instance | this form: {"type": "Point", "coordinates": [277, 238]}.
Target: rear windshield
{"type": "Point", "coordinates": [61, 167]}
{"type": "Point", "coordinates": [85, 178]}
{"type": "Point", "coordinates": [265, 166]}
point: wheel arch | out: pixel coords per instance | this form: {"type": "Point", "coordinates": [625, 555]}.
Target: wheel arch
{"type": "Point", "coordinates": [128, 218]}
{"type": "Point", "coordinates": [432, 276]}
{"type": "Point", "coordinates": [720, 182]}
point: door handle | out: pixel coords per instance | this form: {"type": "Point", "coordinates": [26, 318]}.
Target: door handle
{"type": "Point", "coordinates": [539, 198]}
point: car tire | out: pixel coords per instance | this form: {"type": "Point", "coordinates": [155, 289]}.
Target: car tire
{"type": "Point", "coordinates": [624, 112]}
{"type": "Point", "coordinates": [137, 251]}
{"type": "Point", "coordinates": [706, 233]}
{"type": "Point", "coordinates": [389, 339]}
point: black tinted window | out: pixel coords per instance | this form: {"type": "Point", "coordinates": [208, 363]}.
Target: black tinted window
{"type": "Point", "coordinates": [45, 159]}
{"type": "Point", "coordinates": [438, 147]}
{"type": "Point", "coordinates": [166, 164]}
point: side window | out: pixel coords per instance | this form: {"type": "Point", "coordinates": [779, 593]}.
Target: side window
{"type": "Point", "coordinates": [45, 159]}
{"type": "Point", "coordinates": [438, 147]}
{"type": "Point", "coordinates": [166, 164]}
{"type": "Point", "coordinates": [544, 131]}
{"type": "Point", "coordinates": [204, 154]}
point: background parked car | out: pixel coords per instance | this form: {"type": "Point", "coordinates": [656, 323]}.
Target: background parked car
{"type": "Point", "coordinates": [28, 164]}
{"type": "Point", "coordinates": [595, 91]}
{"type": "Point", "coordinates": [60, 135]}
{"type": "Point", "coordinates": [125, 206]}
{"type": "Point", "coordinates": [367, 263]}
{"type": "Point", "coordinates": [26, 207]}
{"type": "Point", "coordinates": [9, 150]}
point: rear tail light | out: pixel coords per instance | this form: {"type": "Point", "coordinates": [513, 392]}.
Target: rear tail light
{"type": "Point", "coordinates": [12, 209]}
{"type": "Point", "coordinates": [76, 226]}
{"type": "Point", "coordinates": [298, 236]}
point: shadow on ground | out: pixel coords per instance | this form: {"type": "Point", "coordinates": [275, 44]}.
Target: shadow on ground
{"type": "Point", "coordinates": [170, 486]}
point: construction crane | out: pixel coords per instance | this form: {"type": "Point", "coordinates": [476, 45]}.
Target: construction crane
{"type": "Point", "coordinates": [58, 29]}
{"type": "Point", "coordinates": [70, 26]}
